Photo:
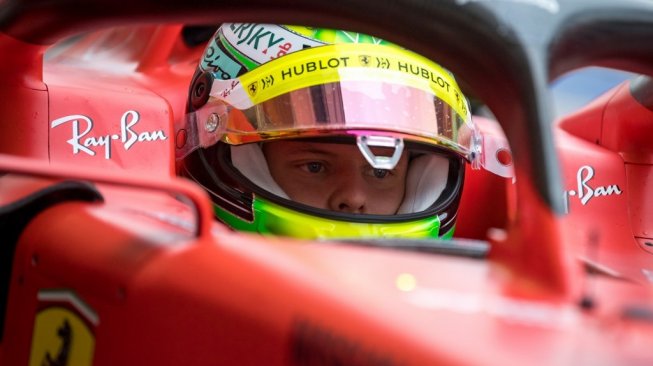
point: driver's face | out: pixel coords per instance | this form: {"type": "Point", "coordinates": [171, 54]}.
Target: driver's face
{"type": "Point", "coordinates": [336, 177]}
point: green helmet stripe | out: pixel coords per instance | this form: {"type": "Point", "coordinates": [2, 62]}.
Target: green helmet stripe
{"type": "Point", "coordinates": [270, 218]}
{"type": "Point", "coordinates": [248, 62]}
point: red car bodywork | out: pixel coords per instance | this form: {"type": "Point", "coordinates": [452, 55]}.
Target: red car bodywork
{"type": "Point", "coordinates": [136, 270]}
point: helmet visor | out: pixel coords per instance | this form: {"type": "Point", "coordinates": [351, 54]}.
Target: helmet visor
{"type": "Point", "coordinates": [316, 95]}
{"type": "Point", "coordinates": [353, 105]}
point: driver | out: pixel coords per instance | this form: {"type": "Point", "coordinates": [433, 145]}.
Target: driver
{"type": "Point", "coordinates": [318, 133]}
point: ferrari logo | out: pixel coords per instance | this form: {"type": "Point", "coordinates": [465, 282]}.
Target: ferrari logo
{"type": "Point", "coordinates": [62, 334]}
{"type": "Point", "coordinates": [61, 338]}
{"type": "Point", "coordinates": [364, 60]}
{"type": "Point", "coordinates": [252, 89]}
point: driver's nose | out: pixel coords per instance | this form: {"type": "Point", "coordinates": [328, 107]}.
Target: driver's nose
{"type": "Point", "coordinates": [349, 195]}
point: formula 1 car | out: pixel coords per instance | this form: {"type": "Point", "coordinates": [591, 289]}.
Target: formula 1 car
{"type": "Point", "coordinates": [109, 258]}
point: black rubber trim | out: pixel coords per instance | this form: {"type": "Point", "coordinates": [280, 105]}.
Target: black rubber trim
{"type": "Point", "coordinates": [15, 216]}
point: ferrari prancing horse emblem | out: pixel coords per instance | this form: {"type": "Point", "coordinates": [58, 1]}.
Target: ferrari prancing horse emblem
{"type": "Point", "coordinates": [63, 331]}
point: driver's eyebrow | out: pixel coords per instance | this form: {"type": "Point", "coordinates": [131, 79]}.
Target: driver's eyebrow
{"type": "Point", "coordinates": [311, 149]}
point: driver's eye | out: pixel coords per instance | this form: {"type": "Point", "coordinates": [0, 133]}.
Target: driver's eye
{"type": "Point", "coordinates": [314, 167]}
{"type": "Point", "coordinates": [380, 173]}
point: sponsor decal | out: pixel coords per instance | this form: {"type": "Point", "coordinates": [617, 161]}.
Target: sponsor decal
{"type": "Point", "coordinates": [217, 60]}
{"type": "Point", "coordinates": [226, 92]}
{"type": "Point", "coordinates": [84, 141]}
{"type": "Point", "coordinates": [265, 42]}
{"type": "Point", "coordinates": [63, 330]}
{"type": "Point", "coordinates": [329, 63]}
{"type": "Point", "coordinates": [417, 71]}
{"type": "Point", "coordinates": [586, 190]}
{"type": "Point", "coordinates": [252, 88]}
{"type": "Point", "coordinates": [312, 66]}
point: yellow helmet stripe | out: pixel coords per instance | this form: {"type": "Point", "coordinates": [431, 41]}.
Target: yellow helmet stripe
{"type": "Point", "coordinates": [341, 62]}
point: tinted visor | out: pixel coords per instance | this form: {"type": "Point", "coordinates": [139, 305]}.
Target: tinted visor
{"type": "Point", "coordinates": [346, 87]}
{"type": "Point", "coordinates": [354, 105]}
{"type": "Point", "coordinates": [364, 105]}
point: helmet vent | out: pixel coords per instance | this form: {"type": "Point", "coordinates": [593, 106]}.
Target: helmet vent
{"type": "Point", "coordinates": [201, 90]}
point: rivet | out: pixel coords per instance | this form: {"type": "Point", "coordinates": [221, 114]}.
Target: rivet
{"type": "Point", "coordinates": [212, 122]}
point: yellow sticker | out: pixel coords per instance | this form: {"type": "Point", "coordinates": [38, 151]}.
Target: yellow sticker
{"type": "Point", "coordinates": [61, 337]}
{"type": "Point", "coordinates": [334, 63]}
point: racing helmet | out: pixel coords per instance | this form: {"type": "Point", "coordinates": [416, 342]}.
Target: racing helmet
{"type": "Point", "coordinates": [274, 112]}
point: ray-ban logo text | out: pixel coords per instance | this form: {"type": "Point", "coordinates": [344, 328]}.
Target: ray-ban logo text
{"type": "Point", "coordinates": [82, 140]}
